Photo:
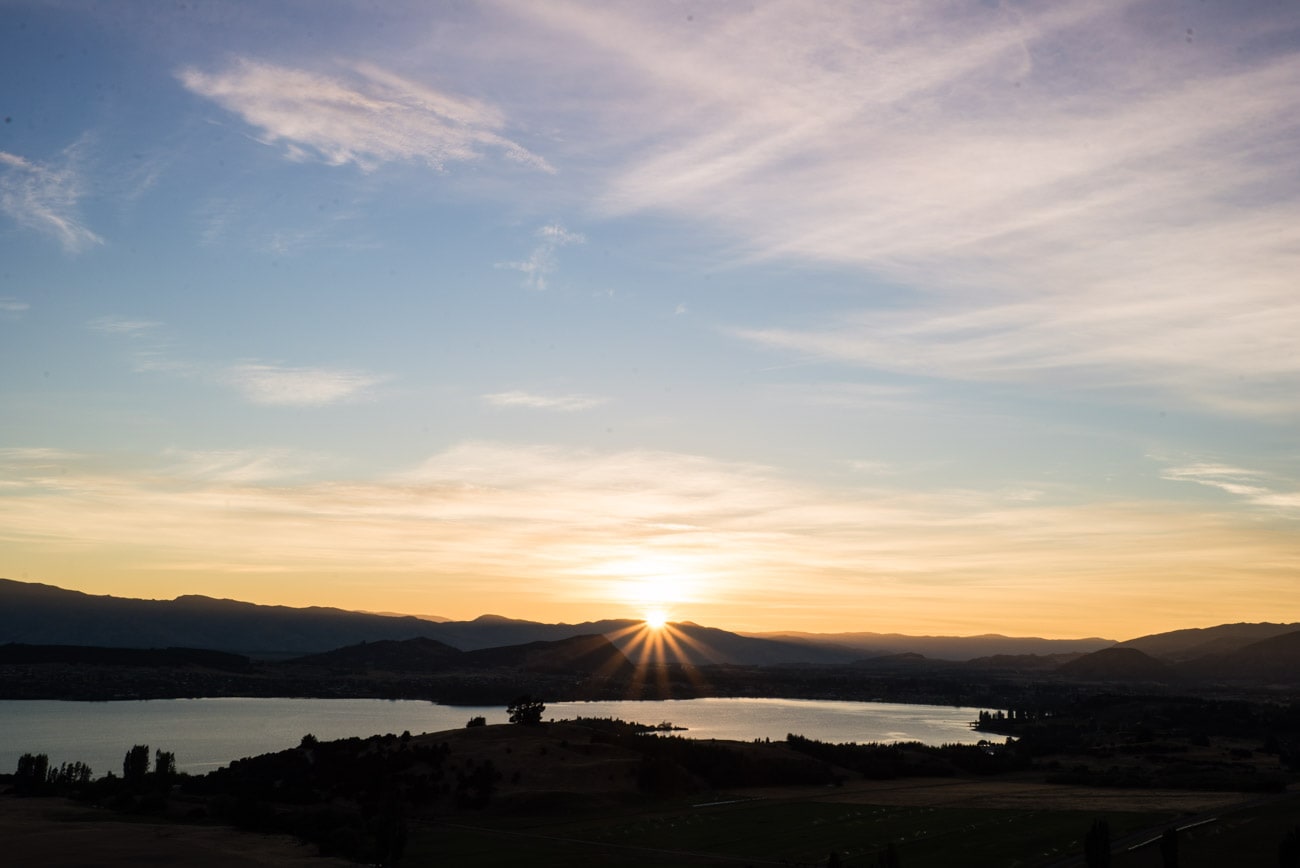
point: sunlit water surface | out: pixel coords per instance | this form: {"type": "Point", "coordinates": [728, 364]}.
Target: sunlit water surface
{"type": "Point", "coordinates": [207, 733]}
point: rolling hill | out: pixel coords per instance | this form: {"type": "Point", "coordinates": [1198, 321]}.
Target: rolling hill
{"type": "Point", "coordinates": [1182, 645]}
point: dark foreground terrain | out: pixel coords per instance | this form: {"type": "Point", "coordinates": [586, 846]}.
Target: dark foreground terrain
{"type": "Point", "coordinates": [604, 792]}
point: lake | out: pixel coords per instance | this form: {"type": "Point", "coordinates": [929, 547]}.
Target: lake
{"type": "Point", "coordinates": [207, 733]}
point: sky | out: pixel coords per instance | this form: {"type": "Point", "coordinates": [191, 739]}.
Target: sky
{"type": "Point", "coordinates": [921, 317]}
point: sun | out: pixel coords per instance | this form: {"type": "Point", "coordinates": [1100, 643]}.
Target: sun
{"type": "Point", "coordinates": [655, 619]}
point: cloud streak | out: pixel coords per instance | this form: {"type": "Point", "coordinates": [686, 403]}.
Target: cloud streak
{"type": "Point", "coordinates": [1073, 197]}
{"type": "Point", "coordinates": [542, 262]}
{"type": "Point", "coordinates": [45, 197]}
{"type": "Point", "coordinates": [360, 114]}
{"type": "Point", "coordinates": [1252, 486]}
{"type": "Point", "coordinates": [258, 382]}
{"type": "Point", "coordinates": [531, 400]}
{"type": "Point", "coordinates": [276, 385]}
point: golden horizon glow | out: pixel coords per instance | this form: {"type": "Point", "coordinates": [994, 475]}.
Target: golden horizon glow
{"type": "Point", "coordinates": [804, 558]}
{"type": "Point", "coordinates": [656, 619]}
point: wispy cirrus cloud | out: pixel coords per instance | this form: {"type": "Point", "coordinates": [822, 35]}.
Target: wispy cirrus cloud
{"type": "Point", "coordinates": [13, 307]}
{"type": "Point", "coordinates": [124, 326]}
{"type": "Point", "coordinates": [542, 262]}
{"type": "Point", "coordinates": [1075, 195]}
{"type": "Point", "coordinates": [358, 113]}
{"type": "Point", "coordinates": [535, 401]}
{"type": "Point", "coordinates": [241, 466]}
{"type": "Point", "coordinates": [46, 197]}
{"type": "Point", "coordinates": [1253, 486]}
{"type": "Point", "coordinates": [150, 348]}
{"type": "Point", "coordinates": [298, 386]}
{"type": "Point", "coordinates": [153, 351]}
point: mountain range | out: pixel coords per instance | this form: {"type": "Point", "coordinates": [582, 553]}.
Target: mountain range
{"type": "Point", "coordinates": [37, 614]}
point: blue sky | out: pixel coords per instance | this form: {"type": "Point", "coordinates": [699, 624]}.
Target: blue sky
{"type": "Point", "coordinates": [935, 317]}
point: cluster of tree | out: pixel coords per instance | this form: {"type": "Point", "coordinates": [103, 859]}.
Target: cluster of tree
{"type": "Point", "coordinates": [1168, 733]}
{"type": "Point", "coordinates": [1007, 722]}
{"type": "Point", "coordinates": [35, 776]}
{"type": "Point", "coordinates": [526, 710]}
{"type": "Point", "coordinates": [138, 789]}
{"type": "Point", "coordinates": [135, 765]}
{"type": "Point", "coordinates": [1067, 723]}
{"type": "Point", "coordinates": [351, 797]}
{"type": "Point", "coordinates": [672, 764]}
{"type": "Point", "coordinates": [913, 759]}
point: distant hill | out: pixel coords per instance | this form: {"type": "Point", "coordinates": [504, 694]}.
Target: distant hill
{"type": "Point", "coordinates": [1117, 664]}
{"type": "Point", "coordinates": [1183, 645]}
{"type": "Point", "coordinates": [494, 631]}
{"type": "Point", "coordinates": [38, 614]}
{"type": "Point", "coordinates": [45, 615]}
{"type": "Point", "coordinates": [389, 655]}
{"type": "Point", "coordinates": [1021, 662]}
{"type": "Point", "coordinates": [1275, 660]}
{"type": "Point", "coordinates": [943, 647]}
{"type": "Point", "coordinates": [702, 646]}
{"type": "Point", "coordinates": [83, 655]}
{"type": "Point", "coordinates": [577, 654]}
{"type": "Point", "coordinates": [588, 654]}
{"type": "Point", "coordinates": [906, 663]}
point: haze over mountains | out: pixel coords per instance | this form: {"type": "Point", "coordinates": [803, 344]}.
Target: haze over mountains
{"type": "Point", "coordinates": [41, 614]}
{"type": "Point", "coordinates": [37, 614]}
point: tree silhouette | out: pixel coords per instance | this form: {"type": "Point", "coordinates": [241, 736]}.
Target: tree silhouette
{"type": "Point", "coordinates": [32, 773]}
{"type": "Point", "coordinates": [135, 765]}
{"type": "Point", "coordinates": [1169, 848]}
{"type": "Point", "coordinates": [1096, 845]}
{"type": "Point", "coordinates": [164, 764]}
{"type": "Point", "coordinates": [526, 710]}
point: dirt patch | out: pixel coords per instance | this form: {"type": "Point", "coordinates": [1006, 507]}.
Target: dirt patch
{"type": "Point", "coordinates": [1015, 795]}
{"type": "Point", "coordinates": [55, 833]}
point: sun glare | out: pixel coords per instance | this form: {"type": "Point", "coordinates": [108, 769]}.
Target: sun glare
{"type": "Point", "coordinates": [656, 619]}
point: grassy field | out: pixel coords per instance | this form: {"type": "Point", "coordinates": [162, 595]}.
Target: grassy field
{"type": "Point", "coordinates": [772, 833]}
{"type": "Point", "coordinates": [1240, 838]}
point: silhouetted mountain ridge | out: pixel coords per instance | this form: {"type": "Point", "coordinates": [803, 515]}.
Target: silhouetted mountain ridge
{"type": "Point", "coordinates": [390, 655]}
{"type": "Point", "coordinates": [1273, 660]}
{"type": "Point", "coordinates": [576, 654]}
{"type": "Point", "coordinates": [1182, 645]}
{"type": "Point", "coordinates": [38, 614]}
{"type": "Point", "coordinates": [869, 645]}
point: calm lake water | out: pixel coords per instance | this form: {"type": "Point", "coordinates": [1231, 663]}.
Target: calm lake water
{"type": "Point", "coordinates": [207, 733]}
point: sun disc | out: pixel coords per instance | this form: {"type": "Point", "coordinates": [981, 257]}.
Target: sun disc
{"type": "Point", "coordinates": [656, 620]}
